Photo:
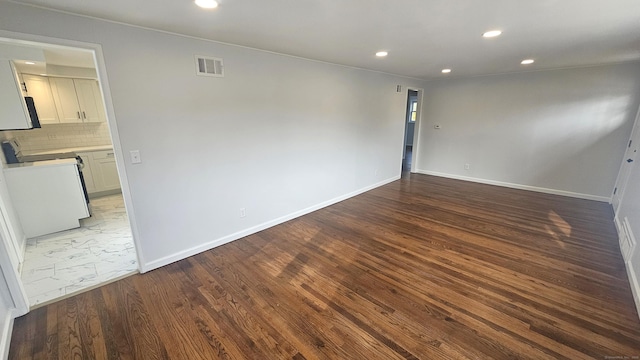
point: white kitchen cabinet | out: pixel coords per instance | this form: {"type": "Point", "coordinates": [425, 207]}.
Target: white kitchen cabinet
{"type": "Point", "coordinates": [13, 110]}
{"type": "Point", "coordinates": [100, 172]}
{"type": "Point", "coordinates": [39, 89]}
{"type": "Point", "coordinates": [90, 100]}
{"type": "Point", "coordinates": [47, 195]}
{"type": "Point", "coordinates": [66, 100]}
{"type": "Point", "coordinates": [105, 172]}
{"type": "Point", "coordinates": [77, 100]}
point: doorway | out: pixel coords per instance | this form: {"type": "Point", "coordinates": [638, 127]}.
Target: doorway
{"type": "Point", "coordinates": [411, 117]}
{"type": "Point", "coordinates": [61, 264]}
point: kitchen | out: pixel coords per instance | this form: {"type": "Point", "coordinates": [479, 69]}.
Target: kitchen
{"type": "Point", "coordinates": [63, 202]}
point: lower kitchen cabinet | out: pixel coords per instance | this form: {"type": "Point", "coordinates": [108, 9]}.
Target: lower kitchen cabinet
{"type": "Point", "coordinates": [100, 172]}
{"type": "Point", "coordinates": [105, 172]}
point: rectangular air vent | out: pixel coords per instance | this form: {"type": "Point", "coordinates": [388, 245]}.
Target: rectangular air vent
{"type": "Point", "coordinates": [209, 66]}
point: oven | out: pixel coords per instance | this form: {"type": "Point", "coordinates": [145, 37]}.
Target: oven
{"type": "Point", "coordinates": [84, 185]}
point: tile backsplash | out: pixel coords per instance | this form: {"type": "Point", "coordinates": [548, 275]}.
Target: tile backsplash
{"type": "Point", "coordinates": [60, 136]}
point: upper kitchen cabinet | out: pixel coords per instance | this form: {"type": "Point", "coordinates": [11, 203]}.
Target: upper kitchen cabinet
{"type": "Point", "coordinates": [13, 109]}
{"type": "Point", "coordinates": [14, 114]}
{"type": "Point", "coordinates": [77, 100]}
{"type": "Point", "coordinates": [39, 89]}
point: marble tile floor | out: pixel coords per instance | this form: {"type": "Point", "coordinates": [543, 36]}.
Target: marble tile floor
{"type": "Point", "coordinates": [99, 251]}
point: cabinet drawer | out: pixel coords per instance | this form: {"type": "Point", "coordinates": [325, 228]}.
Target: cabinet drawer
{"type": "Point", "coordinates": [104, 154]}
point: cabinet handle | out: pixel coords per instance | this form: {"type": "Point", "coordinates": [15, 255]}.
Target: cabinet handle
{"type": "Point", "coordinates": [84, 115]}
{"type": "Point", "coordinates": [79, 115]}
{"type": "Point", "coordinates": [110, 154]}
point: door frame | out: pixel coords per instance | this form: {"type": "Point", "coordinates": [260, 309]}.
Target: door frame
{"type": "Point", "coordinates": [14, 283]}
{"type": "Point", "coordinates": [14, 250]}
{"type": "Point", "coordinates": [625, 168]}
{"type": "Point", "coordinates": [103, 80]}
{"type": "Point", "coordinates": [18, 303]}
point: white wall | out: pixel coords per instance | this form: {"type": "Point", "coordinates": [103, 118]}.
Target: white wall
{"type": "Point", "coordinates": [277, 135]}
{"type": "Point", "coordinates": [561, 131]}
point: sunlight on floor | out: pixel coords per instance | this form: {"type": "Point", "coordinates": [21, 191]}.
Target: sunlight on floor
{"type": "Point", "coordinates": [559, 229]}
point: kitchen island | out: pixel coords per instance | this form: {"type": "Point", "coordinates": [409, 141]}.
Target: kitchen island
{"type": "Point", "coordinates": [48, 195]}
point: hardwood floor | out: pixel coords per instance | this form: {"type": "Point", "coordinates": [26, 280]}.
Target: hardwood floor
{"type": "Point", "coordinates": [422, 268]}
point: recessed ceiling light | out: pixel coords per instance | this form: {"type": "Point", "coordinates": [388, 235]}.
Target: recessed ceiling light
{"type": "Point", "coordinates": [527, 61]}
{"type": "Point", "coordinates": [492, 33]}
{"type": "Point", "coordinates": [446, 71]}
{"type": "Point", "coordinates": [29, 63]}
{"type": "Point", "coordinates": [207, 4]}
{"type": "Point", "coordinates": [382, 53]}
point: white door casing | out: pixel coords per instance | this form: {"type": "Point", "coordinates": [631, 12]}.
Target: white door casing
{"type": "Point", "coordinates": [627, 164]}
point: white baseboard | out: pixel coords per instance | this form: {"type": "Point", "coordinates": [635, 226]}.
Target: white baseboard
{"type": "Point", "coordinates": [635, 286]}
{"type": "Point", "coordinates": [252, 230]}
{"type": "Point", "coordinates": [5, 335]}
{"type": "Point", "coordinates": [517, 186]}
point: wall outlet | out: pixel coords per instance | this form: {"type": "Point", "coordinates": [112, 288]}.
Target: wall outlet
{"type": "Point", "coordinates": [467, 166]}
{"type": "Point", "coordinates": [243, 212]}
{"type": "Point", "coordinates": [375, 172]}
{"type": "Point", "coordinates": [53, 137]}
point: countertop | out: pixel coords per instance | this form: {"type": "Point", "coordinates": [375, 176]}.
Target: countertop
{"type": "Point", "coordinates": [67, 150]}
{"type": "Point", "coordinates": [35, 164]}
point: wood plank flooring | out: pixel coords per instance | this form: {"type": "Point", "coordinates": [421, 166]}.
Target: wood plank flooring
{"type": "Point", "coordinates": [422, 268]}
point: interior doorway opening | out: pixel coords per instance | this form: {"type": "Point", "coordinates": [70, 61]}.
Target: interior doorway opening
{"type": "Point", "coordinates": [409, 130]}
{"type": "Point", "coordinates": [67, 92]}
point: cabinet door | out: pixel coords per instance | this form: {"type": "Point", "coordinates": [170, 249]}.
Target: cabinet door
{"type": "Point", "coordinates": [87, 172]}
{"type": "Point", "coordinates": [39, 89]}
{"type": "Point", "coordinates": [90, 100]}
{"type": "Point", "coordinates": [13, 110]}
{"type": "Point", "coordinates": [105, 172]}
{"type": "Point", "coordinates": [64, 96]}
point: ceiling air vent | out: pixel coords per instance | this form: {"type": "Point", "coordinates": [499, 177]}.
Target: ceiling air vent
{"type": "Point", "coordinates": [209, 66]}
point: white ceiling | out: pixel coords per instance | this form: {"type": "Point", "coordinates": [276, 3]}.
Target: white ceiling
{"type": "Point", "coordinates": [422, 36]}
{"type": "Point", "coordinates": [57, 55]}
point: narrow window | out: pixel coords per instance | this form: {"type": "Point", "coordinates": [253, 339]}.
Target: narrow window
{"type": "Point", "coordinates": [414, 110]}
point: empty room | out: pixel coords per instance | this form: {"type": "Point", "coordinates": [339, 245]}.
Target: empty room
{"type": "Point", "coordinates": [321, 180]}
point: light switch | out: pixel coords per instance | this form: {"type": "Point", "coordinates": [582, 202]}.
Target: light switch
{"type": "Point", "coordinates": [135, 156]}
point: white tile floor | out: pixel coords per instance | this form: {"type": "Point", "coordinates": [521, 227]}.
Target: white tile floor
{"type": "Point", "coordinates": [70, 261]}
